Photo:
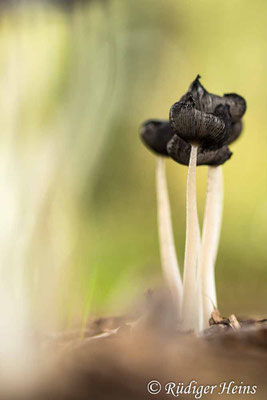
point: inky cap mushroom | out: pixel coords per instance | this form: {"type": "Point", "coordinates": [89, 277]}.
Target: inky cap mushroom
{"type": "Point", "coordinates": [179, 151]}
{"type": "Point", "coordinates": [207, 102]}
{"type": "Point", "coordinates": [237, 105]}
{"type": "Point", "coordinates": [155, 134]}
{"type": "Point", "coordinates": [209, 130]}
{"type": "Point", "coordinates": [235, 132]}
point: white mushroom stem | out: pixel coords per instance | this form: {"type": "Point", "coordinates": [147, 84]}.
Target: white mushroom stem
{"type": "Point", "coordinates": [191, 311]}
{"type": "Point", "coordinates": [210, 240]}
{"type": "Point", "coordinates": [167, 247]}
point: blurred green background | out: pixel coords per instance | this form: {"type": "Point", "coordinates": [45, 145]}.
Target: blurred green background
{"type": "Point", "coordinates": [78, 205]}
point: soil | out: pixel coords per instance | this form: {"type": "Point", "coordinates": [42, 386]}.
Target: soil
{"type": "Point", "coordinates": [116, 358]}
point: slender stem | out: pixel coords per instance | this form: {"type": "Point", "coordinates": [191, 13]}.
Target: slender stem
{"type": "Point", "coordinates": [167, 247]}
{"type": "Point", "coordinates": [210, 240]}
{"type": "Point", "coordinates": [190, 308]}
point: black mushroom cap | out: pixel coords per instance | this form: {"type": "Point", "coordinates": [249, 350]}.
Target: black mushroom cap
{"type": "Point", "coordinates": [179, 151]}
{"type": "Point", "coordinates": [208, 102]}
{"type": "Point", "coordinates": [235, 132]}
{"type": "Point", "coordinates": [210, 130]}
{"type": "Point", "coordinates": [201, 118]}
{"type": "Point", "coordinates": [204, 100]}
{"type": "Point", "coordinates": [237, 105]}
{"type": "Point", "coordinates": [155, 134]}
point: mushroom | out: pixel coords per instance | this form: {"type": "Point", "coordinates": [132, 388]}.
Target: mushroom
{"type": "Point", "coordinates": [209, 131]}
{"type": "Point", "coordinates": [180, 152]}
{"type": "Point", "coordinates": [208, 102]}
{"type": "Point", "coordinates": [211, 231]}
{"type": "Point", "coordinates": [200, 128]}
{"type": "Point", "coordinates": [155, 134]}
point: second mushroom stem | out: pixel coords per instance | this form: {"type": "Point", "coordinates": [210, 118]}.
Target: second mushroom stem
{"type": "Point", "coordinates": [167, 246]}
{"type": "Point", "coordinates": [210, 240]}
{"type": "Point", "coordinates": [190, 309]}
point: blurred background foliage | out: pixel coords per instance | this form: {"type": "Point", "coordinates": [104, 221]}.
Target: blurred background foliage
{"type": "Point", "coordinates": [78, 232]}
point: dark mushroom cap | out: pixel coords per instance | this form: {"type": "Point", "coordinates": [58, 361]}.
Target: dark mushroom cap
{"type": "Point", "coordinates": [199, 127]}
{"type": "Point", "coordinates": [179, 151]}
{"type": "Point", "coordinates": [235, 132]}
{"type": "Point", "coordinates": [237, 105]}
{"type": "Point", "coordinates": [201, 118]}
{"type": "Point", "coordinates": [208, 102]}
{"type": "Point", "coordinates": [204, 100]}
{"type": "Point", "coordinates": [155, 134]}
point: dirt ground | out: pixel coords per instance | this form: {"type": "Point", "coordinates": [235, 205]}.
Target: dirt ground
{"type": "Point", "coordinates": [144, 358]}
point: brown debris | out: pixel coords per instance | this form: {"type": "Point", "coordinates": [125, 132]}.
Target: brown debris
{"type": "Point", "coordinates": [217, 319]}
{"type": "Point", "coordinates": [234, 322]}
